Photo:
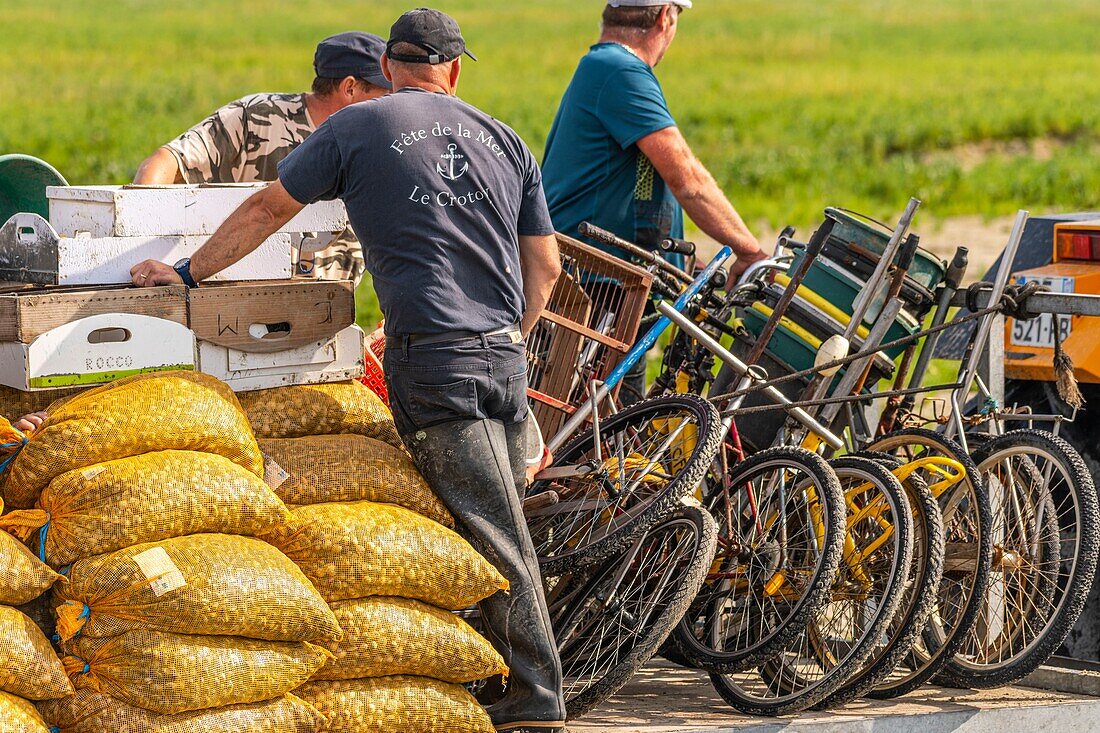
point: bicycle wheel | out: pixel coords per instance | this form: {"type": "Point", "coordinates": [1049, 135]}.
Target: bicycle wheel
{"type": "Point", "coordinates": [840, 637]}
{"type": "Point", "coordinates": [609, 626]}
{"type": "Point", "coordinates": [1045, 527]}
{"type": "Point", "coordinates": [775, 562]}
{"type": "Point", "coordinates": [900, 647]}
{"type": "Point", "coordinates": [967, 522]}
{"type": "Point", "coordinates": [614, 483]}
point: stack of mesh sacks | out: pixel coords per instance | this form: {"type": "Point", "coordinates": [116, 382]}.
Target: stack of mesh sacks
{"type": "Point", "coordinates": [29, 669]}
{"type": "Point", "coordinates": [379, 546]}
{"type": "Point", "coordinates": [147, 495]}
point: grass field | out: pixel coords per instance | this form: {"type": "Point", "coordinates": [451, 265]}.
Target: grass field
{"type": "Point", "coordinates": [976, 106]}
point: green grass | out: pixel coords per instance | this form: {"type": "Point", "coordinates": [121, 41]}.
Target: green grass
{"type": "Point", "coordinates": [794, 105]}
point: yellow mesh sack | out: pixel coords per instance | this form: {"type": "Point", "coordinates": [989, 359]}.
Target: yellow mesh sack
{"type": "Point", "coordinates": [331, 468]}
{"type": "Point", "coordinates": [201, 584]}
{"type": "Point", "coordinates": [136, 415]}
{"type": "Point", "coordinates": [23, 577]}
{"type": "Point", "coordinates": [319, 409]}
{"type": "Point", "coordinates": [93, 712]}
{"type": "Point", "coordinates": [365, 549]}
{"type": "Point", "coordinates": [28, 666]}
{"type": "Point", "coordinates": [388, 636]}
{"type": "Point", "coordinates": [397, 705]}
{"type": "Point", "coordinates": [155, 496]}
{"type": "Point", "coordinates": [19, 716]}
{"type": "Point", "coordinates": [15, 403]}
{"type": "Point", "coordinates": [179, 673]}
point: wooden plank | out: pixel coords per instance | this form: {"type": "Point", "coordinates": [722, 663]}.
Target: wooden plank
{"type": "Point", "coordinates": [585, 331]}
{"type": "Point", "coordinates": [270, 317]}
{"type": "Point", "coordinates": [24, 316]}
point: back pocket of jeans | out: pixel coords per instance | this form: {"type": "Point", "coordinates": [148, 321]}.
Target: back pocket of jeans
{"type": "Point", "coordinates": [430, 404]}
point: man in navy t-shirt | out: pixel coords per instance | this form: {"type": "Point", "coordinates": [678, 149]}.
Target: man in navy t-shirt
{"type": "Point", "coordinates": [449, 207]}
{"type": "Point", "coordinates": [615, 157]}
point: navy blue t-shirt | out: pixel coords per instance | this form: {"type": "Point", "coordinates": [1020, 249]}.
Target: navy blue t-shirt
{"type": "Point", "coordinates": [593, 168]}
{"type": "Point", "coordinates": [438, 193]}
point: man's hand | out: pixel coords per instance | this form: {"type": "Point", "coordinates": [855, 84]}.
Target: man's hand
{"type": "Point", "coordinates": [151, 273]}
{"type": "Point", "coordinates": [30, 423]}
{"type": "Point", "coordinates": [743, 262]}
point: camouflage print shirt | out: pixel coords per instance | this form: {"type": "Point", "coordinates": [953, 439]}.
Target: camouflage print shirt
{"type": "Point", "coordinates": [243, 142]}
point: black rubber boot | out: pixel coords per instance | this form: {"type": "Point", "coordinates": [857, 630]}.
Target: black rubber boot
{"type": "Point", "coordinates": [475, 468]}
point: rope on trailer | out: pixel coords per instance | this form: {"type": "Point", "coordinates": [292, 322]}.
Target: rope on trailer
{"type": "Point", "coordinates": [1013, 303]}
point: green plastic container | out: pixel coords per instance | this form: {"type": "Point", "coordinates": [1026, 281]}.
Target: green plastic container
{"type": "Point", "coordinates": [23, 182]}
{"type": "Point", "coordinates": [927, 269]}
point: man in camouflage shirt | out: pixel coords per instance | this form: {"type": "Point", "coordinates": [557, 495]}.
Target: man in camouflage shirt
{"type": "Point", "coordinates": [245, 140]}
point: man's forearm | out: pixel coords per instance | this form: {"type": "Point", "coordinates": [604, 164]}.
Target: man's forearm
{"type": "Point", "coordinates": [239, 235]}
{"type": "Point", "coordinates": [541, 265]}
{"type": "Point", "coordinates": [712, 212]}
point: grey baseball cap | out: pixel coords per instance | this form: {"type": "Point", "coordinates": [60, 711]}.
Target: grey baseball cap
{"type": "Point", "coordinates": [353, 53]}
{"type": "Point", "coordinates": [647, 3]}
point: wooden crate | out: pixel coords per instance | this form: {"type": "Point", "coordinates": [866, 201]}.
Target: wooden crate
{"type": "Point", "coordinates": [271, 317]}
{"type": "Point", "coordinates": [589, 324]}
{"type": "Point", "coordinates": [329, 359]}
{"type": "Point", "coordinates": [97, 350]}
{"type": "Point", "coordinates": [157, 211]}
{"type": "Point", "coordinates": [26, 314]}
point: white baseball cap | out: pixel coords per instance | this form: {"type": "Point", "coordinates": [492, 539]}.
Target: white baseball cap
{"type": "Point", "coordinates": [647, 3]}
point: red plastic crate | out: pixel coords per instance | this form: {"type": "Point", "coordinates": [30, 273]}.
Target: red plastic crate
{"type": "Point", "coordinates": [373, 376]}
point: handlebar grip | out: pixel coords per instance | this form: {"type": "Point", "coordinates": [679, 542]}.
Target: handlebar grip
{"type": "Point", "coordinates": [600, 235]}
{"type": "Point", "coordinates": [678, 246]}
{"type": "Point", "coordinates": [956, 271]}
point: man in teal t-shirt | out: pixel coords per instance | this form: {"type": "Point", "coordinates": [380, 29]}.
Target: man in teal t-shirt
{"type": "Point", "coordinates": [615, 157]}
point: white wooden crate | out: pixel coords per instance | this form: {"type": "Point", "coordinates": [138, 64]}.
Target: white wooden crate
{"type": "Point", "coordinates": [328, 360]}
{"type": "Point", "coordinates": [96, 350]}
{"type": "Point", "coordinates": [32, 251]}
{"type": "Point", "coordinates": [187, 210]}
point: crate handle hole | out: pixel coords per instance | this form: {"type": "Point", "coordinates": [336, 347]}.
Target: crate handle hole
{"type": "Point", "coordinates": [109, 336]}
{"type": "Point", "coordinates": [270, 331]}
{"type": "Point", "coordinates": [26, 233]}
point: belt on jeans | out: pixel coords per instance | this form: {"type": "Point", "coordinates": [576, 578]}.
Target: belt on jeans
{"type": "Point", "coordinates": [413, 339]}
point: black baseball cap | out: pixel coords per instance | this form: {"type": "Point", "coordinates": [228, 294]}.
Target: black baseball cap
{"type": "Point", "coordinates": [434, 31]}
{"type": "Point", "coordinates": [353, 53]}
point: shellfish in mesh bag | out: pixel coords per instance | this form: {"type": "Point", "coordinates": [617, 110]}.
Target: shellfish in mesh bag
{"type": "Point", "coordinates": [140, 414]}
{"type": "Point", "coordinates": [179, 673]}
{"type": "Point", "coordinates": [396, 704]}
{"type": "Point", "coordinates": [388, 636]}
{"type": "Point", "coordinates": [23, 577]}
{"type": "Point", "coordinates": [319, 409]}
{"type": "Point", "coordinates": [365, 549]}
{"type": "Point", "coordinates": [155, 496]}
{"type": "Point", "coordinates": [28, 666]}
{"type": "Point", "coordinates": [93, 712]}
{"type": "Point", "coordinates": [332, 468]}
{"type": "Point", "coordinates": [19, 716]}
{"type": "Point", "coordinates": [200, 584]}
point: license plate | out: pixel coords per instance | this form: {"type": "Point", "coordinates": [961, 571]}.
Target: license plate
{"type": "Point", "coordinates": [1039, 332]}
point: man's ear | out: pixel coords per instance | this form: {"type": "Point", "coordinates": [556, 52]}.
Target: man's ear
{"type": "Point", "coordinates": [386, 67]}
{"type": "Point", "coordinates": [456, 71]}
{"type": "Point", "coordinates": [348, 85]}
{"type": "Point", "coordinates": [666, 17]}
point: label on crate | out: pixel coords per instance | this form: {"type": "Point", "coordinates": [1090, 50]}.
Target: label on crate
{"type": "Point", "coordinates": [159, 569]}
{"type": "Point", "coordinates": [274, 474]}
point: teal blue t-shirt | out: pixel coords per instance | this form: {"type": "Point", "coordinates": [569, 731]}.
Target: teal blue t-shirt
{"type": "Point", "coordinates": [593, 170]}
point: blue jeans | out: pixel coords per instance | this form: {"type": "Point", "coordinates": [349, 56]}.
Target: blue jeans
{"type": "Point", "coordinates": [461, 409]}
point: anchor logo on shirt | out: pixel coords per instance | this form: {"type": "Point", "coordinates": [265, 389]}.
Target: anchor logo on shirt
{"type": "Point", "coordinates": [448, 171]}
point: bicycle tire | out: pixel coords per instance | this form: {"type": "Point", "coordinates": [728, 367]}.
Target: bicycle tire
{"type": "Point", "coordinates": [606, 527]}
{"type": "Point", "coordinates": [917, 606]}
{"type": "Point", "coordinates": [946, 631]}
{"type": "Point", "coordinates": [639, 638]}
{"type": "Point", "coordinates": [840, 638]}
{"type": "Point", "coordinates": [1026, 454]}
{"type": "Point", "coordinates": [697, 636]}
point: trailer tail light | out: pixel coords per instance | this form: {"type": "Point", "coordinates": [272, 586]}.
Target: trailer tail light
{"type": "Point", "coordinates": [1078, 245]}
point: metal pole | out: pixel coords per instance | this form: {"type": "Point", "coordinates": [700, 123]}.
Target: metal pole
{"type": "Point", "coordinates": [742, 369]}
